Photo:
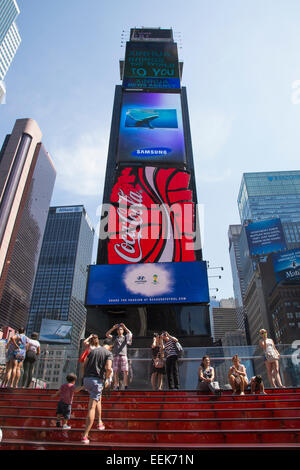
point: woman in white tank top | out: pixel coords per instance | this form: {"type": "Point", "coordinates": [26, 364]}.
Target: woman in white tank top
{"type": "Point", "coordinates": [271, 359]}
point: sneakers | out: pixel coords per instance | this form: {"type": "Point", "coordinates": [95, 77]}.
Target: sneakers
{"type": "Point", "coordinates": [66, 426]}
{"type": "Point", "coordinates": [101, 427]}
{"type": "Point", "coordinates": [85, 440]}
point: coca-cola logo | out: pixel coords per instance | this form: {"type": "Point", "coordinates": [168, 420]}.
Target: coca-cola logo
{"type": "Point", "coordinates": [130, 213]}
{"type": "Point", "coordinates": [151, 217]}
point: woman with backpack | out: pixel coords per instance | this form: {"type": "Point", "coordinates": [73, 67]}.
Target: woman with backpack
{"type": "Point", "coordinates": [33, 350]}
{"type": "Point", "coordinates": [16, 353]}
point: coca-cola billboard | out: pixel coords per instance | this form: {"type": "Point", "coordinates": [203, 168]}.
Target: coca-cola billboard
{"type": "Point", "coordinates": [151, 216]}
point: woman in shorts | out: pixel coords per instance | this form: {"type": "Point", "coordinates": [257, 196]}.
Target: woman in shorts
{"type": "Point", "coordinates": [238, 376]}
{"type": "Point", "coordinates": [272, 356]}
{"type": "Point", "coordinates": [16, 354]}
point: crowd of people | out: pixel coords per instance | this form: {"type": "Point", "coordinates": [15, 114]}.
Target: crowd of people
{"type": "Point", "coordinates": [165, 351]}
{"type": "Point", "coordinates": [21, 352]}
{"type": "Point", "coordinates": [107, 365]}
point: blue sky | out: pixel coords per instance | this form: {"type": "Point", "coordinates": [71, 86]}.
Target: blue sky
{"type": "Point", "coordinates": [241, 61]}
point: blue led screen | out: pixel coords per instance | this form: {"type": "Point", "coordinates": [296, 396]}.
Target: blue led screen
{"type": "Point", "coordinates": [151, 129]}
{"type": "Point", "coordinates": [151, 65]}
{"type": "Point", "coordinates": [287, 265]}
{"type": "Point", "coordinates": [265, 236]}
{"type": "Point", "coordinates": [146, 283]}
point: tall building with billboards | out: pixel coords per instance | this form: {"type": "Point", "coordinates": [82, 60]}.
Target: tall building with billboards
{"type": "Point", "coordinates": [9, 39]}
{"type": "Point", "coordinates": [27, 177]}
{"type": "Point", "coordinates": [149, 252]}
{"type": "Point", "coordinates": [57, 308]}
{"type": "Point", "coordinates": [272, 194]}
{"type": "Point", "coordinates": [269, 206]}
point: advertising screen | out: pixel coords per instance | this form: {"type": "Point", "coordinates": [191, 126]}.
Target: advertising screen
{"type": "Point", "coordinates": [147, 283]}
{"type": "Point", "coordinates": [151, 34]}
{"type": "Point", "coordinates": [151, 65]}
{"type": "Point", "coordinates": [287, 266]}
{"type": "Point", "coordinates": [151, 216]}
{"type": "Point", "coordinates": [151, 129]}
{"type": "Point", "coordinates": [55, 331]}
{"type": "Point", "coordinates": [265, 236]}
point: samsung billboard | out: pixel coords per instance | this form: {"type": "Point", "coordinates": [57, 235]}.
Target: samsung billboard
{"type": "Point", "coordinates": [287, 266]}
{"type": "Point", "coordinates": [146, 283]}
{"type": "Point", "coordinates": [151, 129]}
{"type": "Point", "coordinates": [265, 237]}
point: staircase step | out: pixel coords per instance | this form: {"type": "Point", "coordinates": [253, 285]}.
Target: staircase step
{"type": "Point", "coordinates": [160, 414]}
{"type": "Point", "coordinates": [215, 403]}
{"type": "Point", "coordinates": [162, 437]}
{"type": "Point", "coordinates": [154, 420]}
{"type": "Point", "coordinates": [9, 394]}
{"type": "Point", "coordinates": [143, 424]}
{"type": "Point", "coordinates": [15, 444]}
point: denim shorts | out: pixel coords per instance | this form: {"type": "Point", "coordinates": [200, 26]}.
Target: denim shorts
{"type": "Point", "coordinates": [64, 409]}
{"type": "Point", "coordinates": [94, 386]}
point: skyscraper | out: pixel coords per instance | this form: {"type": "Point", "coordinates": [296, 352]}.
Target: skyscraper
{"type": "Point", "coordinates": [60, 283]}
{"type": "Point", "coordinates": [266, 201]}
{"type": "Point", "coordinates": [150, 228]}
{"type": "Point", "coordinates": [270, 194]}
{"type": "Point", "coordinates": [9, 38]}
{"type": "Point", "coordinates": [234, 234]}
{"type": "Point", "coordinates": [27, 179]}
{"type": "Point", "coordinates": [224, 318]}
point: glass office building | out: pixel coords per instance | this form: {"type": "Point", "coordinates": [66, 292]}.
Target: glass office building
{"type": "Point", "coordinates": [9, 39]}
{"type": "Point", "coordinates": [270, 194]}
{"type": "Point", "coordinates": [9, 11]}
{"type": "Point", "coordinates": [264, 196]}
{"type": "Point", "coordinates": [60, 283]}
{"type": "Point", "coordinates": [27, 177]}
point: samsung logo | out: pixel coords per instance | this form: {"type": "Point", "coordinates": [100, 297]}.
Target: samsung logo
{"type": "Point", "coordinates": [159, 151]}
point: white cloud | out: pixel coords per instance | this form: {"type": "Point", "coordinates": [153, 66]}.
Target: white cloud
{"type": "Point", "coordinates": [148, 279]}
{"type": "Point", "coordinates": [217, 176]}
{"type": "Point", "coordinates": [81, 166]}
{"type": "Point", "coordinates": [210, 132]}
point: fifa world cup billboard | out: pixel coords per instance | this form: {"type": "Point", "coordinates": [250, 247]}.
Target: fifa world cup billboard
{"type": "Point", "coordinates": [147, 284]}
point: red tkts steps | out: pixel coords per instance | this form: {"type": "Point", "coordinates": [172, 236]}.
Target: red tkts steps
{"type": "Point", "coordinates": [146, 420]}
